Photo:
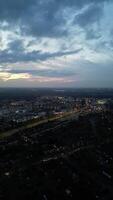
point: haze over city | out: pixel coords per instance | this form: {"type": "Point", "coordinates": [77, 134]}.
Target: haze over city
{"type": "Point", "coordinates": [56, 43]}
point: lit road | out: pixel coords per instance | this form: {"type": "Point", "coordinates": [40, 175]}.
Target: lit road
{"type": "Point", "coordinates": [66, 116]}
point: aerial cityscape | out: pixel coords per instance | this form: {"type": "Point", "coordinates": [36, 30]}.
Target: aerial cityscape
{"type": "Point", "coordinates": [56, 143]}
{"type": "Point", "coordinates": [56, 99]}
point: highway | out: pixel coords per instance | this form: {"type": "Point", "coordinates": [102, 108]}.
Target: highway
{"type": "Point", "coordinates": [65, 116]}
{"type": "Point", "coordinates": [72, 115]}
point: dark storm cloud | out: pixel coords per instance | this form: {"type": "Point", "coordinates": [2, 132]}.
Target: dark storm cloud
{"type": "Point", "coordinates": [89, 16]}
{"type": "Point", "coordinates": [15, 53]}
{"type": "Point", "coordinates": [45, 17]}
{"type": "Point", "coordinates": [12, 9]}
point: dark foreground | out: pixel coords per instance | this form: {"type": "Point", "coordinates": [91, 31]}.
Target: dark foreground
{"type": "Point", "coordinates": [61, 160]}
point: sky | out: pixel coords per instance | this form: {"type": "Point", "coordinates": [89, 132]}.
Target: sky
{"type": "Point", "coordinates": [56, 43]}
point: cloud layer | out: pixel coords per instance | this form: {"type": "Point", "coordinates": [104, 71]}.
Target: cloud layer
{"type": "Point", "coordinates": [44, 41]}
